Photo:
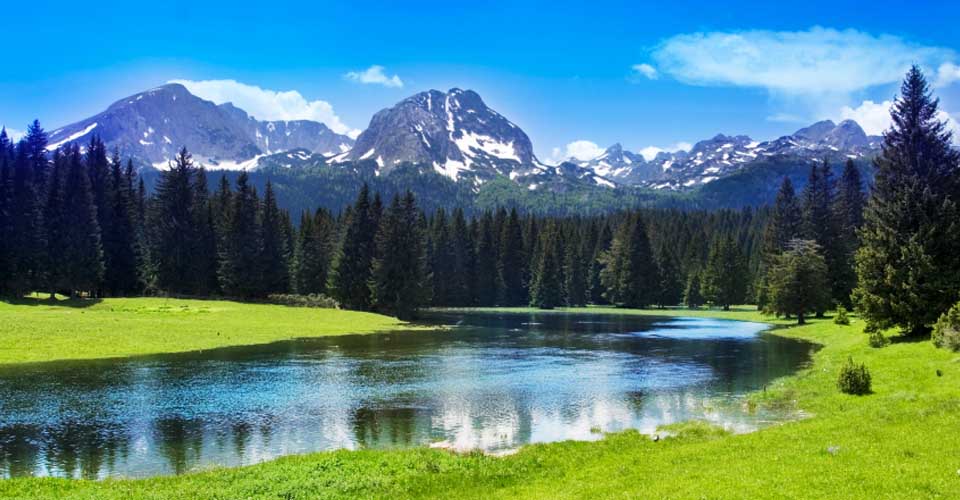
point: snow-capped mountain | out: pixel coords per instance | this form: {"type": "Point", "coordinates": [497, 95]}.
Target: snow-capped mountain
{"type": "Point", "coordinates": [455, 132]}
{"type": "Point", "coordinates": [723, 155]}
{"type": "Point", "coordinates": [152, 126]}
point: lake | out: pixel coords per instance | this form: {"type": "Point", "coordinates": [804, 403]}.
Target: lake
{"type": "Point", "coordinates": [492, 381]}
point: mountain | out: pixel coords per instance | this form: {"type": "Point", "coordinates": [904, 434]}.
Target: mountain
{"type": "Point", "coordinates": [454, 132]}
{"type": "Point", "coordinates": [152, 126]}
{"type": "Point", "coordinates": [723, 155]}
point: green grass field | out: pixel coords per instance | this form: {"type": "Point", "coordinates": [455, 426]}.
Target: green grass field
{"type": "Point", "coordinates": [34, 329]}
{"type": "Point", "coordinates": [902, 441]}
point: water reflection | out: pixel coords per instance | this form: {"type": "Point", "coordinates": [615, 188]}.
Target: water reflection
{"type": "Point", "coordinates": [495, 382]}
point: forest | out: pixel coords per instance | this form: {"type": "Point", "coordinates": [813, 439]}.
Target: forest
{"type": "Point", "coordinates": [80, 222]}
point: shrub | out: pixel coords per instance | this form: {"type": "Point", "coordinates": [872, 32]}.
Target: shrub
{"type": "Point", "coordinates": [946, 333]}
{"type": "Point", "coordinates": [854, 378]}
{"type": "Point", "coordinates": [841, 318]}
{"type": "Point", "coordinates": [313, 300]}
{"type": "Point", "coordinates": [877, 340]}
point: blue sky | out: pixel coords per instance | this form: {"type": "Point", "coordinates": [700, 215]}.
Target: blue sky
{"type": "Point", "coordinates": [572, 75]}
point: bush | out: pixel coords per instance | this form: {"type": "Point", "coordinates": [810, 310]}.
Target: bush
{"type": "Point", "coordinates": [854, 378]}
{"type": "Point", "coordinates": [841, 318]}
{"type": "Point", "coordinates": [313, 300]}
{"type": "Point", "coordinates": [946, 333]}
{"type": "Point", "coordinates": [877, 340]}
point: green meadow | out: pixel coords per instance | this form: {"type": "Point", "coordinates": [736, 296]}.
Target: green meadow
{"type": "Point", "coordinates": [899, 442]}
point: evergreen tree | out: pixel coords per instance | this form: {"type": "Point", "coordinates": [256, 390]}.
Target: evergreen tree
{"type": "Point", "coordinates": [172, 226]}
{"type": "Point", "coordinates": [848, 209]}
{"type": "Point", "coordinates": [6, 215]}
{"type": "Point", "coordinates": [398, 283]}
{"type": "Point", "coordinates": [785, 222]}
{"type": "Point", "coordinates": [512, 264]}
{"type": "Point", "coordinates": [240, 250]}
{"type": "Point", "coordinates": [274, 265]}
{"type": "Point", "coordinates": [910, 252]}
{"type": "Point", "coordinates": [798, 282]}
{"type": "Point", "coordinates": [206, 265]}
{"type": "Point", "coordinates": [83, 253]}
{"type": "Point", "coordinates": [692, 296]}
{"type": "Point", "coordinates": [547, 284]}
{"type": "Point", "coordinates": [575, 273]}
{"type": "Point", "coordinates": [54, 267]}
{"type": "Point", "coordinates": [487, 285]}
{"type": "Point", "coordinates": [349, 282]}
{"type": "Point", "coordinates": [441, 258]}
{"type": "Point", "coordinates": [630, 273]}
{"type": "Point", "coordinates": [35, 149]}
{"type": "Point", "coordinates": [119, 235]}
{"type": "Point", "coordinates": [313, 253]}
{"type": "Point", "coordinates": [597, 290]}
{"type": "Point", "coordinates": [671, 289]}
{"type": "Point", "coordinates": [724, 280]}
{"type": "Point", "coordinates": [27, 243]}
{"type": "Point", "coordinates": [820, 223]}
{"type": "Point", "coordinates": [464, 258]}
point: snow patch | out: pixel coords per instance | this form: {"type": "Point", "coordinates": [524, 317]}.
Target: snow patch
{"type": "Point", "coordinates": [72, 137]}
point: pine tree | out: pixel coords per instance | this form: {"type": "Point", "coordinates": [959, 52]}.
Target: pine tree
{"type": "Point", "coordinates": [172, 227]}
{"type": "Point", "coordinates": [798, 281]}
{"type": "Point", "coordinates": [206, 265]}
{"type": "Point", "coordinates": [906, 265]}
{"type": "Point", "coordinates": [513, 262]}
{"type": "Point", "coordinates": [398, 283]}
{"type": "Point", "coordinates": [692, 296]}
{"type": "Point", "coordinates": [55, 265]}
{"type": "Point", "coordinates": [785, 222]}
{"type": "Point", "coordinates": [487, 284]}
{"type": "Point", "coordinates": [848, 209]}
{"type": "Point", "coordinates": [274, 265]}
{"type": "Point", "coordinates": [83, 253]}
{"type": "Point", "coordinates": [820, 223]}
{"type": "Point", "coordinates": [597, 290]}
{"type": "Point", "coordinates": [312, 253]}
{"type": "Point", "coordinates": [630, 273]}
{"type": "Point", "coordinates": [724, 280]}
{"type": "Point", "coordinates": [240, 250]}
{"type": "Point", "coordinates": [464, 260]}
{"type": "Point", "coordinates": [546, 287]}
{"type": "Point", "coordinates": [575, 274]}
{"type": "Point", "coordinates": [670, 289]}
{"type": "Point", "coordinates": [349, 282]}
{"type": "Point", "coordinates": [119, 237]}
{"type": "Point", "coordinates": [441, 258]}
{"type": "Point", "coordinates": [27, 242]}
{"type": "Point", "coordinates": [6, 215]}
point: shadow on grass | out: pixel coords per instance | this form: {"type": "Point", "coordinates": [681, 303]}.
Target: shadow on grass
{"type": "Point", "coordinates": [40, 300]}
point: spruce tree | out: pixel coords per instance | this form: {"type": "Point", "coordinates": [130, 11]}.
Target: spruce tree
{"type": "Point", "coordinates": [630, 273]}
{"type": "Point", "coordinates": [692, 296]}
{"type": "Point", "coordinates": [724, 280]}
{"type": "Point", "coordinates": [848, 209]}
{"type": "Point", "coordinates": [274, 264]}
{"type": "Point", "coordinates": [785, 222]}
{"type": "Point", "coordinates": [172, 228]}
{"type": "Point", "coordinates": [575, 273]}
{"type": "Point", "coordinates": [119, 237]}
{"type": "Point", "coordinates": [464, 258]}
{"type": "Point", "coordinates": [349, 282]}
{"type": "Point", "coordinates": [487, 284]}
{"type": "Point", "coordinates": [670, 289]}
{"type": "Point", "coordinates": [240, 250]}
{"type": "Point", "coordinates": [55, 237]}
{"type": "Point", "coordinates": [441, 258]}
{"type": "Point", "coordinates": [83, 253]}
{"type": "Point", "coordinates": [546, 286]}
{"type": "Point", "coordinates": [910, 253]}
{"type": "Point", "coordinates": [595, 270]}
{"type": "Point", "coordinates": [821, 225]}
{"type": "Point", "coordinates": [206, 265]}
{"type": "Point", "coordinates": [513, 261]}
{"type": "Point", "coordinates": [399, 281]}
{"type": "Point", "coordinates": [799, 282]}
{"type": "Point", "coordinates": [312, 253]}
{"type": "Point", "coordinates": [27, 243]}
{"type": "Point", "coordinates": [6, 215]}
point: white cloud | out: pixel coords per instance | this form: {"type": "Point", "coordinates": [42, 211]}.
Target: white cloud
{"type": "Point", "coordinates": [646, 70]}
{"type": "Point", "coordinates": [947, 74]}
{"type": "Point", "coordinates": [816, 62]}
{"type": "Point", "coordinates": [651, 152]}
{"type": "Point", "coordinates": [374, 74]}
{"type": "Point", "coordinates": [582, 150]}
{"type": "Point", "coordinates": [266, 104]}
{"type": "Point", "coordinates": [874, 118]}
{"type": "Point", "coordinates": [13, 134]}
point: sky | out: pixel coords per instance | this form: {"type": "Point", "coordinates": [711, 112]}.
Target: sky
{"type": "Point", "coordinates": [576, 76]}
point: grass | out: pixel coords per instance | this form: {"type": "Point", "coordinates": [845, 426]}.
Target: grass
{"type": "Point", "coordinates": [902, 441]}
{"type": "Point", "coordinates": [34, 329]}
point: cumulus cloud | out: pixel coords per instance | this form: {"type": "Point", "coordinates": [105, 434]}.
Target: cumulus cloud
{"type": "Point", "coordinates": [578, 150]}
{"type": "Point", "coordinates": [266, 104]}
{"type": "Point", "coordinates": [13, 134]}
{"type": "Point", "coordinates": [874, 118]}
{"type": "Point", "coordinates": [374, 75]}
{"type": "Point", "coordinates": [651, 152]}
{"type": "Point", "coordinates": [947, 74]}
{"type": "Point", "coordinates": [793, 63]}
{"type": "Point", "coordinates": [645, 70]}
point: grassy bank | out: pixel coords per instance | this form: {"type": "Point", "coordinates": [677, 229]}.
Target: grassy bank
{"type": "Point", "coordinates": [903, 441]}
{"type": "Point", "coordinates": [34, 330]}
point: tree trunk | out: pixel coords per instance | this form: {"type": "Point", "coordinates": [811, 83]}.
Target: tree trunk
{"type": "Point", "coordinates": [801, 320]}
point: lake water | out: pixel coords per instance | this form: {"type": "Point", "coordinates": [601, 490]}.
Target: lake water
{"type": "Point", "coordinates": [494, 381]}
